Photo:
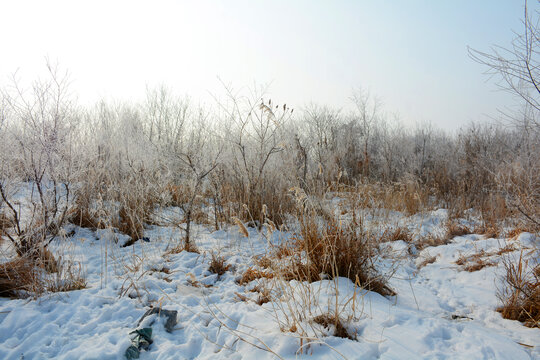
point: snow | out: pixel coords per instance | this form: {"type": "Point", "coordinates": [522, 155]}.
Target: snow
{"type": "Point", "coordinates": [440, 311]}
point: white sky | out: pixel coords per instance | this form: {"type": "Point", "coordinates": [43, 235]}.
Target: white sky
{"type": "Point", "coordinates": [412, 54]}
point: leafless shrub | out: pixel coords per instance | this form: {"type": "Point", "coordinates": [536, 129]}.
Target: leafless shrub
{"type": "Point", "coordinates": [41, 124]}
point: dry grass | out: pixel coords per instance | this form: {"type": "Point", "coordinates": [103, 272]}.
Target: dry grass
{"type": "Point", "coordinates": [427, 261]}
{"type": "Point", "coordinates": [332, 250]}
{"type": "Point", "coordinates": [218, 265]}
{"type": "Point", "coordinates": [399, 233]}
{"type": "Point", "coordinates": [481, 259]}
{"type": "Point", "coordinates": [18, 278]}
{"type": "Point", "coordinates": [520, 296]}
{"type": "Point", "coordinates": [456, 229]}
{"type": "Point", "coordinates": [131, 221]}
{"type": "Point", "coordinates": [263, 261]}
{"type": "Point", "coordinates": [516, 231]}
{"type": "Point", "coordinates": [183, 247]}
{"type": "Point", "coordinates": [82, 215]}
{"type": "Point", "coordinates": [253, 274]}
{"type": "Point", "coordinates": [334, 323]}
{"type": "Point", "coordinates": [432, 240]}
{"type": "Point", "coordinates": [264, 294]}
{"type": "Point", "coordinates": [409, 197]}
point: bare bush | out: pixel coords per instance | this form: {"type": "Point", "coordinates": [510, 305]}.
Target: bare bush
{"type": "Point", "coordinates": [40, 128]}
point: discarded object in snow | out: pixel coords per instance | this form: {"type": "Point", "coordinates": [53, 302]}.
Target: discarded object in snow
{"type": "Point", "coordinates": [132, 241]}
{"type": "Point", "coordinates": [143, 336]}
{"type": "Point", "coordinates": [169, 314]}
{"type": "Point", "coordinates": [141, 341]}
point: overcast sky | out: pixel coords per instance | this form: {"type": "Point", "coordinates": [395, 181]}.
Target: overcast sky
{"type": "Point", "coordinates": [412, 54]}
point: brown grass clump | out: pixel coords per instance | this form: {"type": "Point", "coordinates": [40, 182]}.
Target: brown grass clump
{"type": "Point", "coordinates": [252, 274]}
{"type": "Point", "coordinates": [335, 323]}
{"type": "Point", "coordinates": [218, 265]}
{"type": "Point", "coordinates": [520, 296]}
{"type": "Point", "coordinates": [409, 197]}
{"type": "Point", "coordinates": [515, 232]}
{"type": "Point", "coordinates": [455, 229]}
{"type": "Point", "coordinates": [179, 194]}
{"type": "Point", "coordinates": [263, 261]}
{"type": "Point", "coordinates": [479, 260]}
{"type": "Point", "coordinates": [264, 294]}
{"type": "Point", "coordinates": [81, 215]}
{"type": "Point", "coordinates": [427, 261]}
{"type": "Point", "coordinates": [399, 233]}
{"type": "Point", "coordinates": [70, 280]}
{"type": "Point", "coordinates": [131, 222]}
{"type": "Point", "coordinates": [17, 278]}
{"type": "Point", "coordinates": [183, 247]}
{"type": "Point", "coordinates": [474, 262]}
{"type": "Point", "coordinates": [333, 250]}
{"type": "Point", "coordinates": [432, 240]}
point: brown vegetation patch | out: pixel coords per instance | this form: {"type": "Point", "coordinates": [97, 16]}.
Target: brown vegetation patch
{"type": "Point", "coordinates": [183, 247]}
{"type": "Point", "coordinates": [399, 233]}
{"type": "Point", "coordinates": [131, 223]}
{"type": "Point", "coordinates": [334, 250]}
{"type": "Point", "coordinates": [17, 277]}
{"type": "Point", "coordinates": [520, 296]}
{"type": "Point", "coordinates": [455, 229]}
{"type": "Point", "coordinates": [480, 260]}
{"type": "Point", "coordinates": [333, 322]}
{"type": "Point", "coordinates": [432, 240]}
{"type": "Point", "coordinates": [264, 294]}
{"type": "Point", "coordinates": [515, 232]}
{"type": "Point", "coordinates": [474, 262]}
{"type": "Point", "coordinates": [427, 261]}
{"type": "Point", "coordinates": [252, 274]}
{"type": "Point", "coordinates": [263, 261]}
{"type": "Point", "coordinates": [218, 265]}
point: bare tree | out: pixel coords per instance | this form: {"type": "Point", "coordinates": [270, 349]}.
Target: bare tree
{"type": "Point", "coordinates": [518, 67]}
{"type": "Point", "coordinates": [256, 137]}
{"type": "Point", "coordinates": [366, 115]}
{"type": "Point", "coordinates": [199, 156]}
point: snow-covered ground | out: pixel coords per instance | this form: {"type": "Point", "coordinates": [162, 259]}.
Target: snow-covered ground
{"type": "Point", "coordinates": [440, 311]}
